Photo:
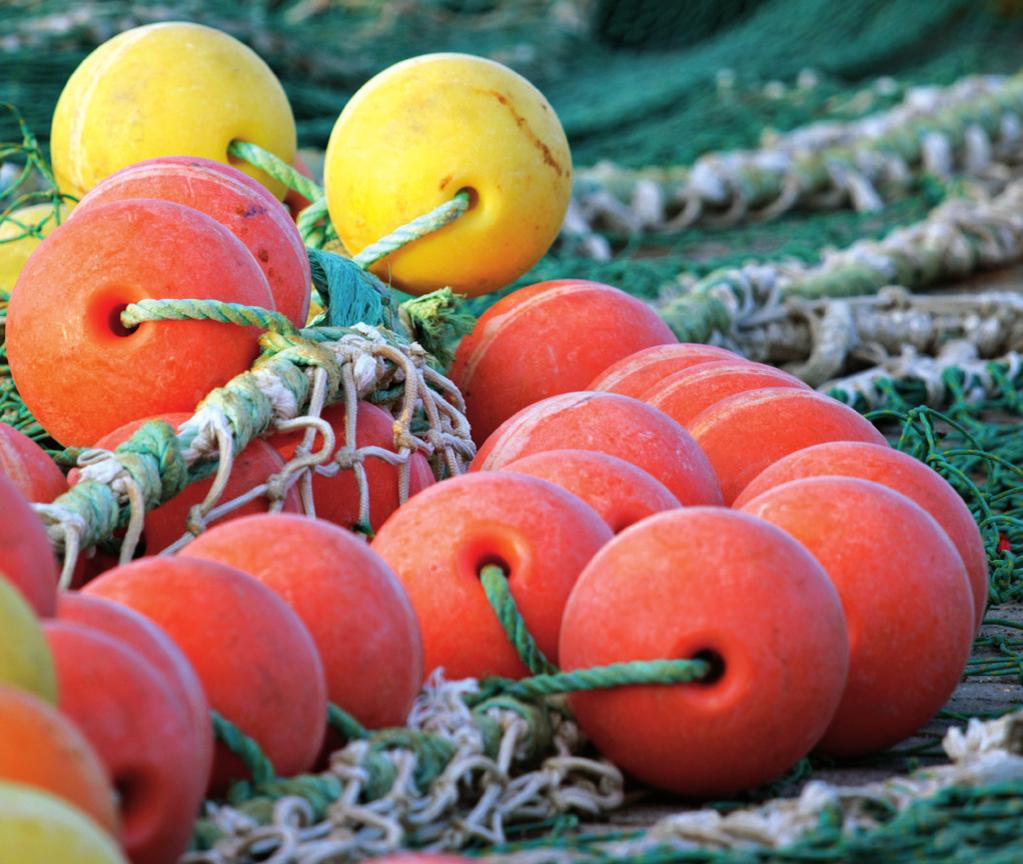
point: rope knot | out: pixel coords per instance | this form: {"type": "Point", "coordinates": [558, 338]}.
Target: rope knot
{"type": "Point", "coordinates": [347, 458]}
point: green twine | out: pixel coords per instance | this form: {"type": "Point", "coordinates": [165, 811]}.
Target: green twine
{"type": "Point", "coordinates": [157, 442]}
{"type": "Point", "coordinates": [344, 723]}
{"type": "Point", "coordinates": [495, 586]}
{"type": "Point", "coordinates": [314, 225]}
{"type": "Point", "coordinates": [245, 748]}
{"type": "Point", "coordinates": [311, 221]}
{"type": "Point", "coordinates": [546, 678]}
{"type": "Point", "coordinates": [428, 223]}
{"type": "Point", "coordinates": [175, 309]}
{"type": "Point", "coordinates": [276, 168]}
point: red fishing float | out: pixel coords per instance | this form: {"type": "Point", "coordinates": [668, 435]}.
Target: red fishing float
{"type": "Point", "coordinates": [80, 371]}
{"type": "Point", "coordinates": [141, 731]}
{"type": "Point", "coordinates": [545, 339]}
{"type": "Point", "coordinates": [905, 595]}
{"type": "Point", "coordinates": [28, 467]}
{"type": "Point", "coordinates": [26, 558]}
{"type": "Point", "coordinates": [637, 373]}
{"type": "Point", "coordinates": [150, 643]}
{"type": "Point", "coordinates": [255, 659]}
{"type": "Point", "coordinates": [745, 433]}
{"type": "Point", "coordinates": [608, 423]}
{"type": "Point", "coordinates": [897, 471]}
{"type": "Point", "coordinates": [349, 599]}
{"type": "Point", "coordinates": [685, 394]}
{"type": "Point", "coordinates": [621, 493]}
{"type": "Point", "coordinates": [540, 536]}
{"type": "Point", "coordinates": [711, 584]}
{"type": "Point", "coordinates": [238, 202]}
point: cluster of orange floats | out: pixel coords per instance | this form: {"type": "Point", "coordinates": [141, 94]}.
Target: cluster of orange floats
{"type": "Point", "coordinates": [645, 499]}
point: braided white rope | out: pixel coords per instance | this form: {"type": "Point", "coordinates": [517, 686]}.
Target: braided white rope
{"type": "Point", "coordinates": [828, 165]}
{"type": "Point", "coordinates": [958, 238]}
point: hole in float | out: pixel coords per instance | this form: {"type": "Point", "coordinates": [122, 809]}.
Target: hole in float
{"type": "Point", "coordinates": [116, 325]}
{"type": "Point", "coordinates": [716, 663]}
{"type": "Point", "coordinates": [130, 788]}
{"type": "Point", "coordinates": [229, 157]}
{"type": "Point", "coordinates": [103, 314]}
{"type": "Point", "coordinates": [474, 197]}
{"type": "Point", "coordinates": [492, 560]}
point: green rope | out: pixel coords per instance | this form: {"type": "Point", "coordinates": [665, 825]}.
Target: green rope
{"type": "Point", "coordinates": [314, 222]}
{"type": "Point", "coordinates": [314, 225]}
{"type": "Point", "coordinates": [495, 586]}
{"type": "Point", "coordinates": [344, 723]}
{"type": "Point", "coordinates": [244, 747]}
{"type": "Point", "coordinates": [433, 221]}
{"type": "Point", "coordinates": [275, 167]}
{"type": "Point", "coordinates": [175, 309]}
{"type": "Point", "coordinates": [632, 673]}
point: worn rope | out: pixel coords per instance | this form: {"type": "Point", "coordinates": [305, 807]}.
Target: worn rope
{"type": "Point", "coordinates": [458, 733]}
{"type": "Point", "coordinates": [275, 167]}
{"type": "Point", "coordinates": [819, 340]}
{"type": "Point", "coordinates": [973, 127]}
{"type": "Point", "coordinates": [276, 390]}
{"type": "Point", "coordinates": [958, 238]}
{"type": "Point", "coordinates": [174, 309]}
{"type": "Point", "coordinates": [961, 811]}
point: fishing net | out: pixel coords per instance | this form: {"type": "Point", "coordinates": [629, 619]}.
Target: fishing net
{"type": "Point", "coordinates": [783, 177]}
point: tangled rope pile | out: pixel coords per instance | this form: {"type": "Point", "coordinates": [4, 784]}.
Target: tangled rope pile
{"type": "Point", "coordinates": [760, 309]}
{"type": "Point", "coordinates": [466, 770]}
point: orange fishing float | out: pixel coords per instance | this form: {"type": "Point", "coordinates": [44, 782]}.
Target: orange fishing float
{"type": "Point", "coordinates": [637, 373]}
{"type": "Point", "coordinates": [711, 584]}
{"type": "Point", "coordinates": [745, 433]}
{"type": "Point", "coordinates": [80, 371]}
{"type": "Point", "coordinates": [238, 202]}
{"type": "Point", "coordinates": [259, 669]}
{"type": "Point", "coordinates": [349, 599]}
{"type": "Point", "coordinates": [621, 493]}
{"type": "Point", "coordinates": [608, 423]}
{"type": "Point", "coordinates": [537, 533]}
{"type": "Point", "coordinates": [905, 595]}
{"type": "Point", "coordinates": [898, 471]}
{"type": "Point", "coordinates": [685, 394]}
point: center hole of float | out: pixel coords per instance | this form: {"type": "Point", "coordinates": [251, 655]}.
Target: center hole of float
{"type": "Point", "coordinates": [474, 197]}
{"type": "Point", "coordinates": [716, 663]}
{"type": "Point", "coordinates": [116, 325]}
{"type": "Point", "coordinates": [131, 793]}
{"type": "Point", "coordinates": [493, 560]}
